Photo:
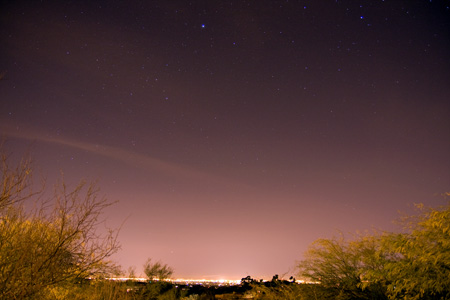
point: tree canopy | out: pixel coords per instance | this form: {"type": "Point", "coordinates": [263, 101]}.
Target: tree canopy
{"type": "Point", "coordinates": [414, 264]}
{"type": "Point", "coordinates": [420, 264]}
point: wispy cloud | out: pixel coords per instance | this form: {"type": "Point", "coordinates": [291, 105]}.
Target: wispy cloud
{"type": "Point", "coordinates": [132, 158]}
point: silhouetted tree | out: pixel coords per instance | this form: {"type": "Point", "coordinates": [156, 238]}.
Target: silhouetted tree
{"type": "Point", "coordinates": [247, 280]}
{"type": "Point", "coordinates": [157, 270]}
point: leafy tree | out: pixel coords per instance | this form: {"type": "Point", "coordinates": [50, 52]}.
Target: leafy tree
{"type": "Point", "coordinates": [54, 244]}
{"type": "Point", "coordinates": [157, 270]}
{"type": "Point", "coordinates": [420, 264]}
{"type": "Point", "coordinates": [414, 264]}
{"type": "Point", "coordinates": [340, 267]}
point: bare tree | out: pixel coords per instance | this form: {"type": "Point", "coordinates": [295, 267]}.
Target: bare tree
{"type": "Point", "coordinates": [58, 242]}
{"type": "Point", "coordinates": [16, 181]}
{"type": "Point", "coordinates": [132, 272]}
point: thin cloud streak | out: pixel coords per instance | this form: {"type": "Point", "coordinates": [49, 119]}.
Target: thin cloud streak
{"type": "Point", "coordinates": [131, 158]}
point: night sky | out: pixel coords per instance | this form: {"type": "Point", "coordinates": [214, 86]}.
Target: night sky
{"type": "Point", "coordinates": [233, 133]}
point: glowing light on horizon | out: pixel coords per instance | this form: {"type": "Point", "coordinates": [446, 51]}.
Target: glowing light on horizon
{"type": "Point", "coordinates": [183, 280]}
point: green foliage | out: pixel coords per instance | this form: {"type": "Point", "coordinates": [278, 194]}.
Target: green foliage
{"type": "Point", "coordinates": [339, 266]}
{"type": "Point", "coordinates": [420, 268]}
{"type": "Point", "coordinates": [412, 265]}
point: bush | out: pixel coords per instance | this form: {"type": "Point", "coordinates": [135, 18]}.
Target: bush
{"type": "Point", "coordinates": [412, 265]}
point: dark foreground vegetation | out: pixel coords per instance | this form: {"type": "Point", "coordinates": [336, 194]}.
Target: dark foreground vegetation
{"type": "Point", "coordinates": [53, 249]}
{"type": "Point", "coordinates": [107, 289]}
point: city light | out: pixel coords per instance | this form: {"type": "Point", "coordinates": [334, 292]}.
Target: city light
{"type": "Point", "coordinates": [183, 281]}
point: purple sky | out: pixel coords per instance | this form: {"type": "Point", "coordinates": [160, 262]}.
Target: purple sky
{"type": "Point", "coordinates": [233, 133]}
